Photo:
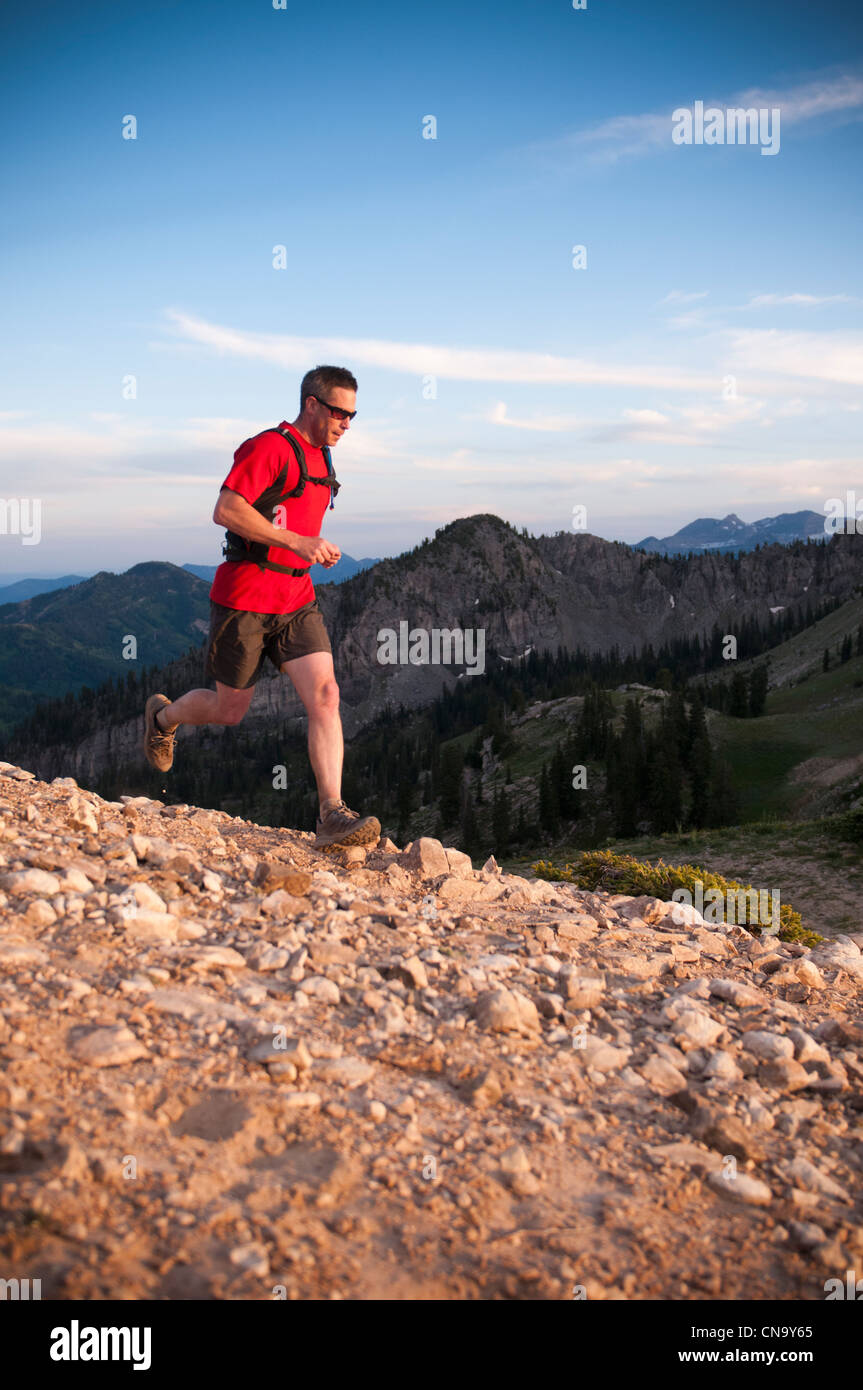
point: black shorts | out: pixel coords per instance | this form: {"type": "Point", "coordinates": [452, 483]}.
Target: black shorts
{"type": "Point", "coordinates": [239, 641]}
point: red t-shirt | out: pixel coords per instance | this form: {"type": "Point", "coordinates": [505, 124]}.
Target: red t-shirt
{"type": "Point", "coordinates": [257, 464]}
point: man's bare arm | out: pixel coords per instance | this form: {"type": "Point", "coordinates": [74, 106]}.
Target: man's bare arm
{"type": "Point", "coordinates": [236, 514]}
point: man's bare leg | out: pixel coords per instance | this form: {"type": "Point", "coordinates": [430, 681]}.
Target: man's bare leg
{"type": "Point", "coordinates": [224, 705]}
{"type": "Point", "coordinates": [315, 683]}
{"type": "Point", "coordinates": [314, 680]}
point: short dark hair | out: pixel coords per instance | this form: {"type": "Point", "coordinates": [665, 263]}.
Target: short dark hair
{"type": "Point", "coordinates": [320, 380]}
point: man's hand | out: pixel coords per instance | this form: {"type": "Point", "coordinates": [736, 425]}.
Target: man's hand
{"type": "Point", "coordinates": [316, 551]}
{"type": "Point", "coordinates": [240, 516]}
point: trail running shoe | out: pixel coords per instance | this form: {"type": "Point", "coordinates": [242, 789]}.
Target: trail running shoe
{"type": "Point", "coordinates": [341, 826]}
{"type": "Point", "coordinates": [158, 745]}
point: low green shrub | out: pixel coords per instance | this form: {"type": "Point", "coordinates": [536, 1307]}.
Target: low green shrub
{"type": "Point", "coordinates": [623, 873]}
{"type": "Point", "coordinates": [849, 825]}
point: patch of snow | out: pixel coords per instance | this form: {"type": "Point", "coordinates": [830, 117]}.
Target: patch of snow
{"type": "Point", "coordinates": [780, 609]}
{"type": "Point", "coordinates": [671, 600]}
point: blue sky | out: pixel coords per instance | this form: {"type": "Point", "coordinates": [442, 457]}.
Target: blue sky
{"type": "Point", "coordinates": [708, 358]}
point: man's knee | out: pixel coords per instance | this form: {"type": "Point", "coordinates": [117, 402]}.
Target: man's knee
{"type": "Point", "coordinates": [232, 716]}
{"type": "Point", "coordinates": [326, 695]}
{"type": "Point", "coordinates": [232, 706]}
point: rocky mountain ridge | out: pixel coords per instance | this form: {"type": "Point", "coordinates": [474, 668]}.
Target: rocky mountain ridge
{"type": "Point", "coordinates": [235, 1066]}
{"type": "Point", "coordinates": [566, 590]}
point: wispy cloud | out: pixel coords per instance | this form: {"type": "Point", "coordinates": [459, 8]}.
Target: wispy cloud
{"type": "Point", "coordinates": [543, 424]}
{"type": "Point", "coordinates": [451, 363]}
{"type": "Point", "coordinates": [763, 301]}
{"type": "Point", "coordinates": [683, 297]}
{"type": "Point", "coordinates": [828, 360]}
{"type": "Point", "coordinates": [691, 426]}
{"type": "Point", "coordinates": [647, 133]}
{"type": "Point", "coordinates": [834, 357]}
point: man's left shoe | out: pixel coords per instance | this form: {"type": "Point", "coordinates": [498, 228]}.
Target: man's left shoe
{"type": "Point", "coordinates": [341, 826]}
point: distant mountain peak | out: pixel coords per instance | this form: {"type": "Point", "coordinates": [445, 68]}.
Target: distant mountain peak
{"type": "Point", "coordinates": [707, 534]}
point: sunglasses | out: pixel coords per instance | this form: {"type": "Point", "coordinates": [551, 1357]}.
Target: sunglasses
{"type": "Point", "coordinates": [336, 410]}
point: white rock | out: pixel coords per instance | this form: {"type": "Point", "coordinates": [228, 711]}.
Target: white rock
{"type": "Point", "coordinates": [426, 857]}
{"type": "Point", "coordinates": [460, 865]}
{"type": "Point", "coordinates": [840, 953]}
{"type": "Point", "coordinates": [75, 881]}
{"type": "Point", "coordinates": [252, 1258]}
{"type": "Point", "coordinates": [804, 1174]}
{"type": "Point", "coordinates": [189, 930]}
{"type": "Point", "coordinates": [685, 915]}
{"type": "Point", "coordinates": [218, 958]}
{"type": "Point", "coordinates": [694, 1028]}
{"type": "Point", "coordinates": [141, 925]}
{"type": "Point", "coordinates": [601, 1056]}
{"type": "Point", "coordinates": [280, 904]}
{"type": "Point", "coordinates": [758, 1113]}
{"type": "Point", "coordinates": [721, 1066]}
{"type": "Point", "coordinates": [320, 988]}
{"type": "Point", "coordinates": [514, 1160]}
{"type": "Point", "coordinates": [14, 956]}
{"type": "Point", "coordinates": [147, 897]}
{"type": "Point", "coordinates": [345, 1071]}
{"type": "Point", "coordinates": [30, 881]}
{"type": "Point", "coordinates": [497, 962]}
{"type": "Point", "coordinates": [108, 1047]}
{"type": "Point", "coordinates": [411, 972]}
{"type": "Point", "coordinates": [734, 992]}
{"type": "Point", "coordinates": [302, 1100]}
{"type": "Point", "coordinates": [741, 1188]}
{"type": "Point", "coordinates": [662, 1077]}
{"type": "Point", "coordinates": [808, 974]}
{"type": "Point", "coordinates": [81, 816]}
{"type": "Point", "coordinates": [263, 956]}
{"type": "Point", "coordinates": [506, 1010]}
{"type": "Point", "coordinates": [768, 1046]}
{"type": "Point", "coordinates": [806, 1049]}
{"type": "Point", "coordinates": [40, 914]}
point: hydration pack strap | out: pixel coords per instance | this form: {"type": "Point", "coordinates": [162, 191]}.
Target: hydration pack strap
{"type": "Point", "coordinates": [237, 549]}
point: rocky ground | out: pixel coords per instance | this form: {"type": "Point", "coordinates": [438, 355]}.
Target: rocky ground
{"type": "Point", "coordinates": [237, 1067]}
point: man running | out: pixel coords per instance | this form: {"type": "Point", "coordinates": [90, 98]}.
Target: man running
{"type": "Point", "coordinates": [262, 602]}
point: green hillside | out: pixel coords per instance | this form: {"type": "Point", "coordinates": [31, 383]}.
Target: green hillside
{"type": "Point", "coordinates": [75, 636]}
{"type": "Point", "coordinates": [804, 757]}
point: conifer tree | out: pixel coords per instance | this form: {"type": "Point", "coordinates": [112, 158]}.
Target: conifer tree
{"type": "Point", "coordinates": [469, 828]}
{"type": "Point", "coordinates": [450, 784]}
{"type": "Point", "coordinates": [757, 690]}
{"type": "Point", "coordinates": [738, 706]}
{"type": "Point", "coordinates": [501, 822]}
